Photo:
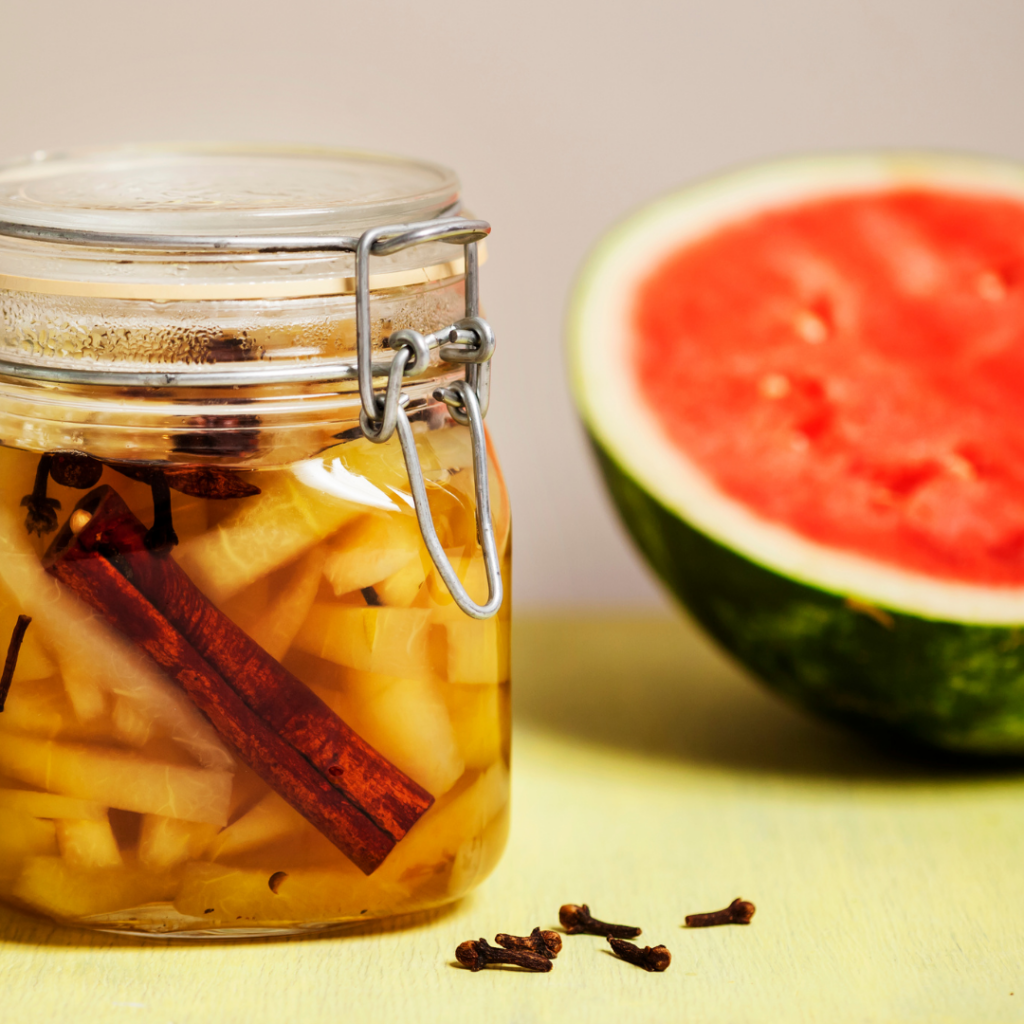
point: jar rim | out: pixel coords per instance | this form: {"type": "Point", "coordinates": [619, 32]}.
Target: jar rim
{"type": "Point", "coordinates": [181, 197]}
{"type": "Point", "coordinates": [106, 253]}
{"type": "Point", "coordinates": [171, 222]}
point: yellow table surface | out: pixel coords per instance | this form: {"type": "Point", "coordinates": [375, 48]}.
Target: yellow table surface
{"type": "Point", "coordinates": [652, 780]}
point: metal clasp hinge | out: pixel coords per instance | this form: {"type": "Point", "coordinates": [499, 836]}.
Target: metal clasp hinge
{"type": "Point", "coordinates": [469, 341]}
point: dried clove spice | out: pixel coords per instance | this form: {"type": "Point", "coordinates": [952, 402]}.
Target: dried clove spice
{"type": "Point", "coordinates": [75, 469]}
{"type": "Point", "coordinates": [478, 955]}
{"type": "Point", "coordinates": [738, 912]}
{"type": "Point", "coordinates": [80, 471]}
{"type": "Point", "coordinates": [548, 944]}
{"type": "Point", "coordinates": [650, 958]}
{"type": "Point", "coordinates": [576, 920]}
{"type": "Point", "coordinates": [17, 636]}
{"type": "Point", "coordinates": [161, 534]}
{"type": "Point", "coordinates": [42, 511]}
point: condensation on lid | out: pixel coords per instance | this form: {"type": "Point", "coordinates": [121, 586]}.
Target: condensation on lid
{"type": "Point", "coordinates": [238, 190]}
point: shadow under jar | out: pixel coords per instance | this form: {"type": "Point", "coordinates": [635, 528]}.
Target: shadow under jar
{"type": "Point", "coordinates": [243, 499]}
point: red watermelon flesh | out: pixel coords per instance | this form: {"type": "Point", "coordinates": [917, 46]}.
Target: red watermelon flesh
{"type": "Point", "coordinates": [853, 368]}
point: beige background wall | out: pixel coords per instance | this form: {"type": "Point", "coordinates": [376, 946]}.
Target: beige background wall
{"type": "Point", "coordinates": [560, 117]}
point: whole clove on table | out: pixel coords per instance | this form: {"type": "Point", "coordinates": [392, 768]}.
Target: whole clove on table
{"type": "Point", "coordinates": [738, 912]}
{"type": "Point", "coordinates": [546, 943]}
{"type": "Point", "coordinates": [650, 958]}
{"type": "Point", "coordinates": [576, 919]}
{"type": "Point", "coordinates": [480, 954]}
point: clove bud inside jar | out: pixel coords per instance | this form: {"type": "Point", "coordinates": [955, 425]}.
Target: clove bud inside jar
{"type": "Point", "coordinates": [248, 700]}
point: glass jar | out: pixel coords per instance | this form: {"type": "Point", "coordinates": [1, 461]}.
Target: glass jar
{"type": "Point", "coordinates": [264, 684]}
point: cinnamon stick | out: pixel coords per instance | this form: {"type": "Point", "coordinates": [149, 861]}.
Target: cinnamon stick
{"type": "Point", "coordinates": [97, 582]}
{"type": "Point", "coordinates": [388, 796]}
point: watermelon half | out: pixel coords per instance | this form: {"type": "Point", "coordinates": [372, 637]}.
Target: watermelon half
{"type": "Point", "coordinates": [805, 386]}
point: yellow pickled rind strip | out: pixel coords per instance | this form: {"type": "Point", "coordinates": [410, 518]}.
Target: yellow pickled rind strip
{"type": "Point", "coordinates": [370, 550]}
{"type": "Point", "coordinates": [129, 726]}
{"type": "Point", "coordinates": [164, 842]}
{"type": "Point", "coordinates": [266, 822]}
{"type": "Point", "coordinates": [316, 894]}
{"type": "Point", "coordinates": [407, 721]}
{"type": "Point", "coordinates": [119, 779]}
{"type": "Point", "coordinates": [265, 533]}
{"type": "Point", "coordinates": [23, 836]}
{"type": "Point", "coordinates": [87, 843]}
{"type": "Point", "coordinates": [54, 887]}
{"type": "Point", "coordinates": [388, 641]}
{"type": "Point", "coordinates": [447, 828]}
{"type": "Point", "coordinates": [477, 714]}
{"type": "Point", "coordinates": [277, 626]}
{"type": "Point", "coordinates": [401, 588]}
{"type": "Point", "coordinates": [50, 805]}
{"type": "Point", "coordinates": [477, 651]}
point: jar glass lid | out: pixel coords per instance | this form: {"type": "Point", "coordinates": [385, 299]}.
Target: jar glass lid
{"type": "Point", "coordinates": [170, 222]}
{"type": "Point", "coordinates": [242, 191]}
{"type": "Point", "coordinates": [182, 256]}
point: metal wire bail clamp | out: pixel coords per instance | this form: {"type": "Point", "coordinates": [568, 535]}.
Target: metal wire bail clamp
{"type": "Point", "coordinates": [469, 341]}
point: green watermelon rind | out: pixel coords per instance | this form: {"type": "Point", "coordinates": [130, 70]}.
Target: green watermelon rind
{"type": "Point", "coordinates": [888, 658]}
{"type": "Point", "coordinates": [945, 684]}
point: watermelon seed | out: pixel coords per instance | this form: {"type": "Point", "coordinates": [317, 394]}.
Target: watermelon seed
{"type": "Point", "coordinates": [811, 327]}
{"type": "Point", "coordinates": [959, 467]}
{"type": "Point", "coordinates": [991, 286]}
{"type": "Point", "coordinates": [774, 385]}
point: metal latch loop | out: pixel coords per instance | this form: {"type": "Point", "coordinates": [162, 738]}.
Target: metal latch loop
{"type": "Point", "coordinates": [470, 341]}
{"type": "Point", "coordinates": [382, 426]}
{"type": "Point", "coordinates": [389, 239]}
{"type": "Point", "coordinates": [415, 343]}
{"type": "Point", "coordinates": [466, 396]}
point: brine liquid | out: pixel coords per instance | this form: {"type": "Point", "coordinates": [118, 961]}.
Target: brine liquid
{"type": "Point", "coordinates": [121, 807]}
